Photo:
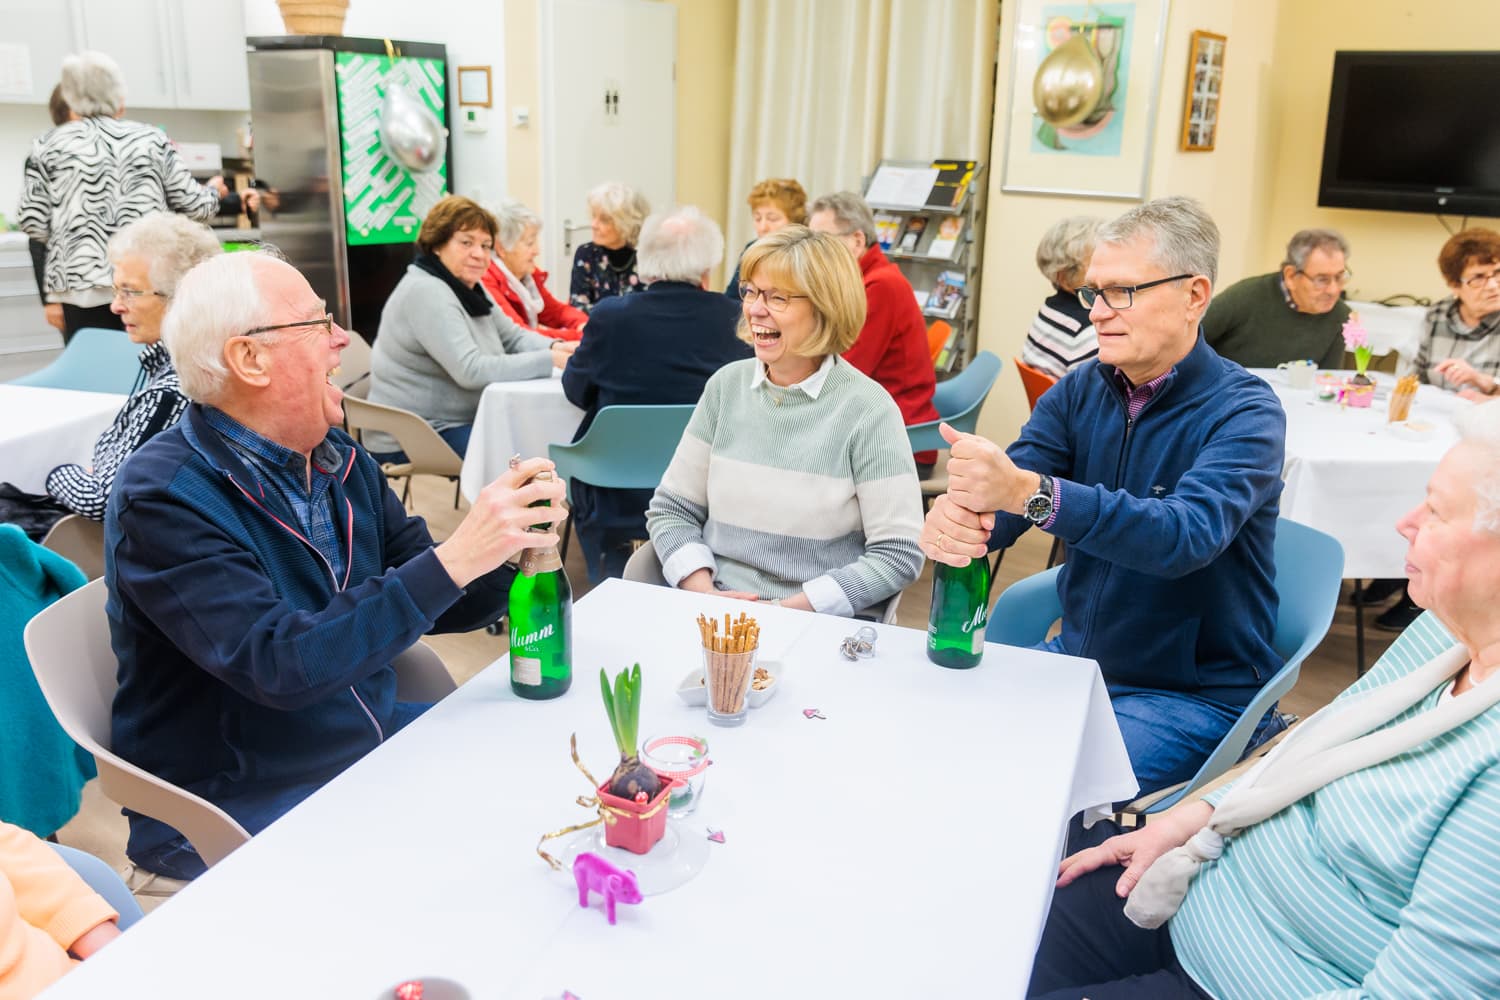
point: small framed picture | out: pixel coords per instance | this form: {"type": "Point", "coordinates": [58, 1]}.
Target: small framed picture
{"type": "Point", "coordinates": [474, 86]}
{"type": "Point", "coordinates": [1205, 85]}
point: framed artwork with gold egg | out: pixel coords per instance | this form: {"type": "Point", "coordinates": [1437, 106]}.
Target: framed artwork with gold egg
{"type": "Point", "coordinates": [1205, 88]}
{"type": "Point", "coordinates": [1084, 85]}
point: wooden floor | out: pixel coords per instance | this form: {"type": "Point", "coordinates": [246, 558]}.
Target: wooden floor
{"type": "Point", "coordinates": [100, 829]}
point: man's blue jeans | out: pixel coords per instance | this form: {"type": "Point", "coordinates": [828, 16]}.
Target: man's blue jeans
{"type": "Point", "coordinates": [1169, 734]}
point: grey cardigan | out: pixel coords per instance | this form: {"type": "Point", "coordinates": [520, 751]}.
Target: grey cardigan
{"type": "Point", "coordinates": [434, 359]}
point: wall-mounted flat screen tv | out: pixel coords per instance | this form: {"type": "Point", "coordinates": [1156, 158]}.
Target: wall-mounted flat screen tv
{"type": "Point", "coordinates": [1413, 132]}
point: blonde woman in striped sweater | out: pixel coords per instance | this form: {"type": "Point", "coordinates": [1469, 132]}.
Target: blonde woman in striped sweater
{"type": "Point", "coordinates": [794, 481]}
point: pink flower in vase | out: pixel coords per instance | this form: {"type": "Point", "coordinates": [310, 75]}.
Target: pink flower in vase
{"type": "Point", "coordinates": [1357, 339]}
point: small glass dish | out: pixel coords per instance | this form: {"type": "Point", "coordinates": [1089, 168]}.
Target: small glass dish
{"type": "Point", "coordinates": [683, 759]}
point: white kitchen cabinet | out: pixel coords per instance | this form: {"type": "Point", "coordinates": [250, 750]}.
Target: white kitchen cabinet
{"type": "Point", "coordinates": [172, 53]}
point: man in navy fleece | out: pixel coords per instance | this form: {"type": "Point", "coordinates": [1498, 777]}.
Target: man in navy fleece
{"type": "Point", "coordinates": [262, 575]}
{"type": "Point", "coordinates": [1159, 466]}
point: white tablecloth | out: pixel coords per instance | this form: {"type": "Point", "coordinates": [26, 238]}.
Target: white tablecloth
{"type": "Point", "coordinates": [41, 429]}
{"type": "Point", "coordinates": [1348, 474]}
{"type": "Point", "coordinates": [904, 846]}
{"type": "Point", "coordinates": [516, 418]}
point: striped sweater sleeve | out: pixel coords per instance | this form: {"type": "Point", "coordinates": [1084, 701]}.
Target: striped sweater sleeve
{"type": "Point", "coordinates": [145, 414]}
{"type": "Point", "coordinates": [679, 509]}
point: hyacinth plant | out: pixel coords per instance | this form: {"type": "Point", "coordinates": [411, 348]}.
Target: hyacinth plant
{"type": "Point", "coordinates": [631, 779]}
{"type": "Point", "coordinates": [1357, 339]}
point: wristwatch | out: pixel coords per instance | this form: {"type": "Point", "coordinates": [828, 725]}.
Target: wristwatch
{"type": "Point", "coordinates": [1039, 505]}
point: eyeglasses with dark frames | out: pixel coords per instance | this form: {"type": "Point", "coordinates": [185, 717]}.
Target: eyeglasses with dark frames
{"type": "Point", "coordinates": [1480, 280]}
{"type": "Point", "coordinates": [326, 322]}
{"type": "Point", "coordinates": [1120, 297]}
{"type": "Point", "coordinates": [775, 301]}
{"type": "Point", "coordinates": [1324, 281]}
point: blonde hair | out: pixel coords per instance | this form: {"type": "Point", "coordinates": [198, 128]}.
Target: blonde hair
{"type": "Point", "coordinates": [621, 205]}
{"type": "Point", "coordinates": [798, 261]}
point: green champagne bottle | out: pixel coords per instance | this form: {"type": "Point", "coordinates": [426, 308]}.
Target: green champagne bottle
{"type": "Point", "coordinates": [541, 621]}
{"type": "Point", "coordinates": [955, 625]}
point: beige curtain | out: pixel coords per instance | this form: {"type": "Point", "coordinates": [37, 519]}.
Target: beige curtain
{"type": "Point", "coordinates": [825, 89]}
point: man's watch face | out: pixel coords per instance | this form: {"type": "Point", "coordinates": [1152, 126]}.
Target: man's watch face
{"type": "Point", "coordinates": [1038, 507]}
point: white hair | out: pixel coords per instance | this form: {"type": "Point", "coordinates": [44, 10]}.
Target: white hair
{"type": "Point", "coordinates": [92, 84]}
{"type": "Point", "coordinates": [851, 212]}
{"type": "Point", "coordinates": [218, 299]}
{"type": "Point", "coordinates": [1184, 236]}
{"type": "Point", "coordinates": [170, 244]}
{"type": "Point", "coordinates": [1479, 427]}
{"type": "Point", "coordinates": [1063, 253]}
{"type": "Point", "coordinates": [621, 205]}
{"type": "Point", "coordinates": [512, 219]}
{"type": "Point", "coordinates": [679, 245]}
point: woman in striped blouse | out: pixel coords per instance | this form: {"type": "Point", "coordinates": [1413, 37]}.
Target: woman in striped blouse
{"type": "Point", "coordinates": [149, 257]}
{"type": "Point", "coordinates": [794, 480]}
{"type": "Point", "coordinates": [1360, 858]}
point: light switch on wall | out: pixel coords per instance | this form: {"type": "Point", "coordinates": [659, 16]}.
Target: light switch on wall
{"type": "Point", "coordinates": [476, 119]}
{"type": "Point", "coordinates": [520, 116]}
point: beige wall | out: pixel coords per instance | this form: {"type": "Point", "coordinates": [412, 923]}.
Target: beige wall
{"type": "Point", "coordinates": [705, 85]}
{"type": "Point", "coordinates": [1233, 181]}
{"type": "Point", "coordinates": [1391, 252]}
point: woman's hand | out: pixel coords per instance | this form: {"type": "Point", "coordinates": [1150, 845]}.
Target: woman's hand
{"type": "Point", "coordinates": [1137, 849]}
{"type": "Point", "coordinates": [562, 350]}
{"type": "Point", "coordinates": [701, 581]}
{"type": "Point", "coordinates": [1460, 372]}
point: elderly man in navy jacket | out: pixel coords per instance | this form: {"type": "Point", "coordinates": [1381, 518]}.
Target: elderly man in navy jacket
{"type": "Point", "coordinates": [262, 575]}
{"type": "Point", "coordinates": [1159, 466]}
{"type": "Point", "coordinates": [654, 348]}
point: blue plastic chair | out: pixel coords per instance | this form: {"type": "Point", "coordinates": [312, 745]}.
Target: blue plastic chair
{"type": "Point", "coordinates": [105, 881]}
{"type": "Point", "coordinates": [1309, 572]}
{"type": "Point", "coordinates": [958, 402]}
{"type": "Point", "coordinates": [95, 360]}
{"type": "Point", "coordinates": [625, 448]}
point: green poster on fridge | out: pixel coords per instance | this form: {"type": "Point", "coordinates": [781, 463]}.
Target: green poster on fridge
{"type": "Point", "coordinates": [383, 201]}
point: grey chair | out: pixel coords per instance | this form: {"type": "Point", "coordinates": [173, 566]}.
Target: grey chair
{"type": "Point", "coordinates": [68, 644]}
{"type": "Point", "coordinates": [80, 540]}
{"type": "Point", "coordinates": [427, 454]}
{"type": "Point", "coordinates": [644, 567]}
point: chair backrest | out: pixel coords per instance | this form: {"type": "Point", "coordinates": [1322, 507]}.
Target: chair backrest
{"type": "Point", "coordinates": [958, 402]}
{"type": "Point", "coordinates": [105, 881]}
{"type": "Point", "coordinates": [644, 567]}
{"type": "Point", "coordinates": [95, 360]}
{"type": "Point", "coordinates": [80, 540]}
{"type": "Point", "coordinates": [68, 644]}
{"type": "Point", "coordinates": [426, 451]}
{"type": "Point", "coordinates": [937, 336]}
{"type": "Point", "coordinates": [421, 676]}
{"type": "Point", "coordinates": [626, 447]}
{"type": "Point", "coordinates": [1309, 572]}
{"type": "Point", "coordinates": [1034, 381]}
{"type": "Point", "coordinates": [354, 361]}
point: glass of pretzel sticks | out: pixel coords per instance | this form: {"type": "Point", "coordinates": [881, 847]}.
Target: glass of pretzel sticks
{"type": "Point", "coordinates": [728, 665]}
{"type": "Point", "coordinates": [1401, 397]}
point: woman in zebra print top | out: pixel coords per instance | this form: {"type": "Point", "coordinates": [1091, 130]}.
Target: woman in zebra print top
{"type": "Point", "coordinates": [87, 179]}
{"type": "Point", "coordinates": [149, 256]}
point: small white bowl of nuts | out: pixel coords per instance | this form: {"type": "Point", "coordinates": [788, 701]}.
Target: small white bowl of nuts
{"type": "Point", "coordinates": [763, 685]}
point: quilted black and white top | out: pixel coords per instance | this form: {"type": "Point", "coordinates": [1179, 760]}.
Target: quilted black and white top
{"type": "Point", "coordinates": [86, 180]}
{"type": "Point", "coordinates": [156, 404]}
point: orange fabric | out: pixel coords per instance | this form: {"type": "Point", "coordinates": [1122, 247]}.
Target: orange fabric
{"type": "Point", "coordinates": [937, 336]}
{"type": "Point", "coordinates": [44, 908]}
{"type": "Point", "coordinates": [557, 319]}
{"type": "Point", "coordinates": [1034, 380]}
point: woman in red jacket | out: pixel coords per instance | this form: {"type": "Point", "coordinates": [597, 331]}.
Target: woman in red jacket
{"type": "Point", "coordinates": [518, 286]}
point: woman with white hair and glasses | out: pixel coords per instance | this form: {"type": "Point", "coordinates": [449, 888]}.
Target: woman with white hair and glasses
{"type": "Point", "coordinates": [606, 265]}
{"type": "Point", "coordinates": [87, 179]}
{"type": "Point", "coordinates": [150, 256]}
{"type": "Point", "coordinates": [518, 286]}
{"type": "Point", "coordinates": [1359, 858]}
{"type": "Point", "coordinates": [1062, 336]}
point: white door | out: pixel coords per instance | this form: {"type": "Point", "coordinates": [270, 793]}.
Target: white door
{"type": "Point", "coordinates": [134, 34]}
{"type": "Point", "coordinates": [609, 100]}
{"type": "Point", "coordinates": [208, 44]}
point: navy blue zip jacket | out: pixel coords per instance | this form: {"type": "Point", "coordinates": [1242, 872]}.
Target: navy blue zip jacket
{"type": "Point", "coordinates": [248, 674]}
{"type": "Point", "coordinates": [1170, 523]}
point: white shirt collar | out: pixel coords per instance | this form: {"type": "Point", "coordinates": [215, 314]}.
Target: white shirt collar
{"type": "Point", "coordinates": [811, 386]}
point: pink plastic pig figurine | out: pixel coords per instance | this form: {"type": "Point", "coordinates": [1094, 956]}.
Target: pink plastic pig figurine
{"type": "Point", "coordinates": [616, 885]}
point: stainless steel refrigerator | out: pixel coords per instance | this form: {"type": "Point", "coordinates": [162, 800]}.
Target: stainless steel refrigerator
{"type": "Point", "coordinates": [336, 200]}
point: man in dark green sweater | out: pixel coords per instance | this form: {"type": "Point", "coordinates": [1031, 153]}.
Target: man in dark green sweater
{"type": "Point", "coordinates": [1289, 315]}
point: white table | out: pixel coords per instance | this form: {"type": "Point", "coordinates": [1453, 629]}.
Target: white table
{"type": "Point", "coordinates": [1348, 474]}
{"type": "Point", "coordinates": [516, 418]}
{"type": "Point", "coordinates": [904, 846]}
{"type": "Point", "coordinates": [41, 429]}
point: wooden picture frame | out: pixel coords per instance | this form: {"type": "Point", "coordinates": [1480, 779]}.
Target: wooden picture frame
{"type": "Point", "coordinates": [1204, 95]}
{"type": "Point", "coordinates": [474, 86]}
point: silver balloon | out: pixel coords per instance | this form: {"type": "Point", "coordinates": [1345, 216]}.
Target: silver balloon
{"type": "Point", "coordinates": [410, 133]}
{"type": "Point", "coordinates": [1068, 83]}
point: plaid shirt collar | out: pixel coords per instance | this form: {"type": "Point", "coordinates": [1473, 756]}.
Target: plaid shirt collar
{"type": "Point", "coordinates": [1137, 396]}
